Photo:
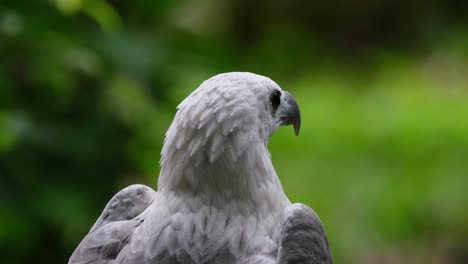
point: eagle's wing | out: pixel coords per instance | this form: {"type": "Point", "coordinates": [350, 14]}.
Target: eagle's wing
{"type": "Point", "coordinates": [115, 227]}
{"type": "Point", "coordinates": [302, 237]}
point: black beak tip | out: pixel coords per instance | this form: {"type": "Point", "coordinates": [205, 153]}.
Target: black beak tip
{"type": "Point", "coordinates": [297, 127]}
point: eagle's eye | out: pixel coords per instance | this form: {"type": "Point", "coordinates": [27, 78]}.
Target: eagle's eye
{"type": "Point", "coordinates": [275, 99]}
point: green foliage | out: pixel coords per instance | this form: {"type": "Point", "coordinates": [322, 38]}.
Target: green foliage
{"type": "Point", "coordinates": [88, 88]}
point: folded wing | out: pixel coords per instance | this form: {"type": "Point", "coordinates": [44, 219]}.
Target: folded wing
{"type": "Point", "coordinates": [114, 228]}
{"type": "Point", "coordinates": [302, 238]}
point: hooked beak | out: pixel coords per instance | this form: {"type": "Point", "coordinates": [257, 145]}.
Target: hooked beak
{"type": "Point", "coordinates": [289, 112]}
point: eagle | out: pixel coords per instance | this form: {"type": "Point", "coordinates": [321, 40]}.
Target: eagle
{"type": "Point", "coordinates": [219, 199]}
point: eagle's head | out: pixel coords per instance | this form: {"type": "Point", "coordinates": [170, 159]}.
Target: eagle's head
{"type": "Point", "coordinates": [224, 126]}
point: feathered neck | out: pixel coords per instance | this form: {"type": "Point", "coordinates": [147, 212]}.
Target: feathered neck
{"type": "Point", "coordinates": [221, 160]}
{"type": "Point", "coordinates": [217, 162]}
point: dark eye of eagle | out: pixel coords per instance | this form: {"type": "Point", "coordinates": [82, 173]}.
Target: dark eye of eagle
{"type": "Point", "coordinates": [275, 99]}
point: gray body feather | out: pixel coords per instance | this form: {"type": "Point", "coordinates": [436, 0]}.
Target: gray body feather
{"type": "Point", "coordinates": [219, 199]}
{"type": "Point", "coordinates": [303, 238]}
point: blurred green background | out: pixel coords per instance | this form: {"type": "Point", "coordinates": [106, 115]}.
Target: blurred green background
{"type": "Point", "coordinates": [88, 88]}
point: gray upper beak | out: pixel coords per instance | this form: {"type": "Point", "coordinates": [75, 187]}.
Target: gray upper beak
{"type": "Point", "coordinates": [289, 112]}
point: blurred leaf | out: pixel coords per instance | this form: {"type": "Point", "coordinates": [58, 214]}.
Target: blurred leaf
{"type": "Point", "coordinates": [103, 13]}
{"type": "Point", "coordinates": [7, 133]}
